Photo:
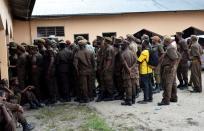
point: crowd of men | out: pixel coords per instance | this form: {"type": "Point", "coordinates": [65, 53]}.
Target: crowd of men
{"type": "Point", "coordinates": [110, 69]}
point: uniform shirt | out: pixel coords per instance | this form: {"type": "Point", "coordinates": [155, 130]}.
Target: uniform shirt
{"type": "Point", "coordinates": [84, 61]}
{"type": "Point", "coordinates": [109, 55]}
{"type": "Point", "coordinates": [144, 68]}
{"type": "Point", "coordinates": [183, 50]}
{"type": "Point", "coordinates": [170, 57]}
{"type": "Point", "coordinates": [133, 47]}
{"type": "Point", "coordinates": [129, 58]}
{"type": "Point", "coordinates": [64, 60]}
{"type": "Point", "coordinates": [196, 50]}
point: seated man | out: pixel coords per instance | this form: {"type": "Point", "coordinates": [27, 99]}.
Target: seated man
{"type": "Point", "coordinates": [15, 111]}
{"type": "Point", "coordinates": [27, 93]}
{"type": "Point", "coordinates": [6, 121]}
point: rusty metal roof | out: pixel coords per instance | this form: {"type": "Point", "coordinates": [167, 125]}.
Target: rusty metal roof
{"type": "Point", "coordinates": [21, 9]}
{"type": "Point", "coordinates": [105, 7]}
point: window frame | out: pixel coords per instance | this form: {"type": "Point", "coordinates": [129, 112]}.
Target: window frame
{"type": "Point", "coordinates": [46, 31]}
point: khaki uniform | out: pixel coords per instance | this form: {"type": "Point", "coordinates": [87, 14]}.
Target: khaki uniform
{"type": "Point", "coordinates": [84, 65]}
{"type": "Point", "coordinates": [50, 76]}
{"type": "Point", "coordinates": [168, 73]}
{"type": "Point", "coordinates": [118, 82]}
{"type": "Point", "coordinates": [182, 71]}
{"type": "Point", "coordinates": [195, 53]}
{"type": "Point", "coordinates": [129, 79]}
{"type": "Point", "coordinates": [22, 69]}
{"type": "Point", "coordinates": [107, 71]}
{"type": "Point", "coordinates": [64, 61]}
{"type": "Point", "coordinates": [36, 71]}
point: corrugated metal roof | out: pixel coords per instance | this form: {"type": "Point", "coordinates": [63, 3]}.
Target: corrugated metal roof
{"type": "Point", "coordinates": [86, 7]}
{"type": "Point", "coordinates": [21, 9]}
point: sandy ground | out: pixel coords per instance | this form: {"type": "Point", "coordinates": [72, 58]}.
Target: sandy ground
{"type": "Point", "coordinates": [185, 115]}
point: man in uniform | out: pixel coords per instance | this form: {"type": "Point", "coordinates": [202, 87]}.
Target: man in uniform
{"type": "Point", "coordinates": [107, 70]}
{"type": "Point", "coordinates": [13, 57]}
{"type": "Point", "coordinates": [15, 112]}
{"type": "Point", "coordinates": [84, 65]}
{"type": "Point", "coordinates": [134, 48]}
{"type": "Point", "coordinates": [168, 72]}
{"type": "Point", "coordinates": [64, 61]}
{"type": "Point", "coordinates": [129, 73]}
{"type": "Point", "coordinates": [49, 74]}
{"type": "Point", "coordinates": [36, 70]}
{"type": "Point", "coordinates": [22, 66]}
{"type": "Point", "coordinates": [195, 54]}
{"type": "Point", "coordinates": [157, 47]}
{"type": "Point", "coordinates": [118, 83]}
{"type": "Point", "coordinates": [99, 58]}
{"type": "Point", "coordinates": [182, 71]}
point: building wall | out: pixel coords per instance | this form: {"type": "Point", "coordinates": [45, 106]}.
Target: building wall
{"type": "Point", "coordinates": [162, 23]}
{"type": "Point", "coordinates": [5, 23]}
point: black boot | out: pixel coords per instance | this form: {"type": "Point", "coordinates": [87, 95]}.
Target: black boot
{"type": "Point", "coordinates": [180, 85]}
{"type": "Point", "coordinates": [100, 97]}
{"type": "Point", "coordinates": [133, 100]}
{"type": "Point", "coordinates": [185, 86]}
{"type": "Point", "coordinates": [33, 105]}
{"type": "Point", "coordinates": [37, 103]}
{"type": "Point", "coordinates": [163, 103]}
{"type": "Point", "coordinates": [27, 127]}
{"type": "Point", "coordinates": [127, 102]}
{"type": "Point", "coordinates": [137, 93]}
{"type": "Point", "coordinates": [119, 97]}
{"type": "Point", "coordinates": [157, 89]}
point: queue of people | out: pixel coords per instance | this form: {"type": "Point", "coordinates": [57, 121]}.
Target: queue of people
{"type": "Point", "coordinates": [108, 69]}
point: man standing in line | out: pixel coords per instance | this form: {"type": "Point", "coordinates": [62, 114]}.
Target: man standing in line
{"type": "Point", "coordinates": [168, 72]}
{"type": "Point", "coordinates": [84, 65]}
{"type": "Point", "coordinates": [158, 48]}
{"type": "Point", "coordinates": [195, 53]}
{"type": "Point", "coordinates": [129, 73]}
{"type": "Point", "coordinates": [182, 71]}
{"type": "Point", "coordinates": [63, 65]}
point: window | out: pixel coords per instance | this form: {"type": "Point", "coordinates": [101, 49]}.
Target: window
{"type": "Point", "coordinates": [109, 34]}
{"type": "Point", "coordinates": [86, 36]}
{"type": "Point", "coordinates": [52, 30]}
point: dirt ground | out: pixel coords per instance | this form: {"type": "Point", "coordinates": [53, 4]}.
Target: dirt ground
{"type": "Point", "coordinates": [186, 115]}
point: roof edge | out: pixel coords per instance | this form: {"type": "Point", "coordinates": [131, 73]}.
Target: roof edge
{"type": "Point", "coordinates": [104, 14]}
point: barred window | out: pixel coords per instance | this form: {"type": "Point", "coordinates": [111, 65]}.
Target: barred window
{"type": "Point", "coordinates": [109, 34]}
{"type": "Point", "coordinates": [51, 30]}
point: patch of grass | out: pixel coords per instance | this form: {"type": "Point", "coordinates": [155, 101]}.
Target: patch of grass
{"type": "Point", "coordinates": [95, 123]}
{"type": "Point", "coordinates": [70, 117]}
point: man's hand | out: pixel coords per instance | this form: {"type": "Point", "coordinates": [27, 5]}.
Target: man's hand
{"type": "Point", "coordinates": [20, 108]}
